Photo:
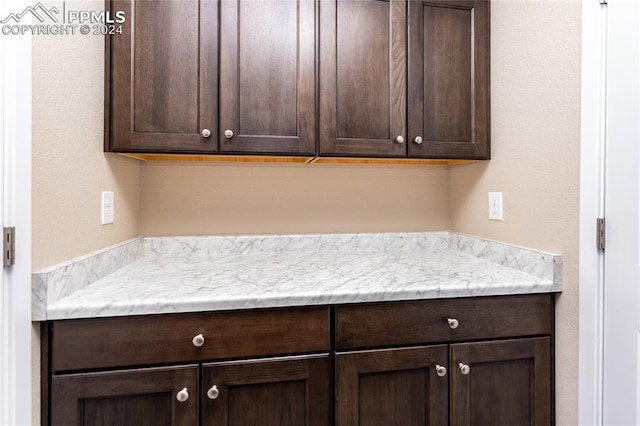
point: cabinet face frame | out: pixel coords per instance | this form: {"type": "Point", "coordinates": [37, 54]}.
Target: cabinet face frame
{"type": "Point", "coordinates": [420, 360]}
{"type": "Point", "coordinates": [69, 391]}
{"type": "Point", "coordinates": [120, 68]}
{"type": "Point", "coordinates": [313, 370]}
{"type": "Point", "coordinates": [445, 141]}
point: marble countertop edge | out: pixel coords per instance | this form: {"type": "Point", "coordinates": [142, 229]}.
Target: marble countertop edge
{"type": "Point", "coordinates": [96, 310]}
{"type": "Point", "coordinates": [95, 285]}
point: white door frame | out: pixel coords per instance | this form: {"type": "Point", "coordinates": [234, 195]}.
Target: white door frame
{"type": "Point", "coordinates": [591, 269]}
{"type": "Point", "coordinates": [608, 336]}
{"type": "Point", "coordinates": [15, 204]}
{"type": "Point", "coordinates": [622, 211]}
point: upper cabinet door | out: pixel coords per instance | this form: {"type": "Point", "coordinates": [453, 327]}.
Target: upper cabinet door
{"type": "Point", "coordinates": [448, 58]}
{"type": "Point", "coordinates": [164, 77]}
{"type": "Point", "coordinates": [363, 77]}
{"type": "Point", "coordinates": [267, 76]}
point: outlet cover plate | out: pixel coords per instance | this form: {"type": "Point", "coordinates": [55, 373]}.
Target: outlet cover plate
{"type": "Point", "coordinates": [495, 206]}
{"type": "Point", "coordinates": [107, 207]}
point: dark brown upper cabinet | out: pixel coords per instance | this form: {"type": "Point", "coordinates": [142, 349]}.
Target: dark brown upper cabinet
{"type": "Point", "coordinates": [164, 91]}
{"type": "Point", "coordinates": [333, 78]}
{"type": "Point", "coordinates": [372, 53]}
{"type": "Point", "coordinates": [162, 77]}
{"type": "Point", "coordinates": [363, 78]}
{"type": "Point", "coordinates": [448, 68]}
{"type": "Point", "coordinates": [267, 77]}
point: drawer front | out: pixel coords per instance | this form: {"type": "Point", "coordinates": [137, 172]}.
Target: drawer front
{"type": "Point", "coordinates": [112, 342]}
{"type": "Point", "coordinates": [404, 323]}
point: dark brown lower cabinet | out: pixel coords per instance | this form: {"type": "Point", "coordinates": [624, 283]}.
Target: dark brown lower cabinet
{"type": "Point", "coordinates": [292, 391]}
{"type": "Point", "coordinates": [495, 383]}
{"type": "Point", "coordinates": [287, 392]}
{"type": "Point", "coordinates": [483, 361]}
{"type": "Point", "coordinates": [507, 383]}
{"type": "Point", "coordinates": [126, 398]}
{"type": "Point", "coordinates": [392, 387]}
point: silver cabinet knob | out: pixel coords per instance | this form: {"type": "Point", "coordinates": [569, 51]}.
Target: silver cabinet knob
{"type": "Point", "coordinates": [399, 139]}
{"type": "Point", "coordinates": [464, 368]}
{"type": "Point", "coordinates": [183, 395]}
{"type": "Point", "coordinates": [213, 392]}
{"type": "Point", "coordinates": [228, 134]}
{"type": "Point", "coordinates": [198, 340]}
{"type": "Point", "coordinates": [418, 140]}
{"type": "Point", "coordinates": [453, 323]}
{"type": "Point", "coordinates": [205, 133]}
{"type": "Point", "coordinates": [441, 370]}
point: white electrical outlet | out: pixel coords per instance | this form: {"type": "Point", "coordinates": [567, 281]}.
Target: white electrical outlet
{"type": "Point", "coordinates": [107, 207]}
{"type": "Point", "coordinates": [495, 206]}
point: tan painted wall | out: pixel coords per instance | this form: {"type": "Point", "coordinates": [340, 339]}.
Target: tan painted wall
{"type": "Point", "coordinates": [535, 89]}
{"type": "Point", "coordinates": [69, 168]}
{"type": "Point", "coordinates": [196, 199]}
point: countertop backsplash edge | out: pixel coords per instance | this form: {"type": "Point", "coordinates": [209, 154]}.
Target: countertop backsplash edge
{"type": "Point", "coordinates": [56, 282]}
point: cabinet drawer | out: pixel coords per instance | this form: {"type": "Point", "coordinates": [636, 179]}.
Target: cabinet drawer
{"type": "Point", "coordinates": [403, 323]}
{"type": "Point", "coordinates": [112, 342]}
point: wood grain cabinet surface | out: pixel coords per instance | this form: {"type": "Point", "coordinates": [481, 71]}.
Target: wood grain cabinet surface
{"type": "Point", "coordinates": [347, 78]}
{"type": "Point", "coordinates": [162, 77]}
{"type": "Point", "coordinates": [126, 371]}
{"type": "Point", "coordinates": [448, 79]}
{"type": "Point", "coordinates": [171, 89]}
{"type": "Point", "coordinates": [502, 375]}
{"type": "Point", "coordinates": [460, 362]}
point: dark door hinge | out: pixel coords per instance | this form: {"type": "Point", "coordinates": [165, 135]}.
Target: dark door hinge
{"type": "Point", "coordinates": [9, 246]}
{"type": "Point", "coordinates": [603, 1]}
{"type": "Point", "coordinates": [600, 233]}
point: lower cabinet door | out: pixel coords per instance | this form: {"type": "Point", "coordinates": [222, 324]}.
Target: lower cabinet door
{"type": "Point", "coordinates": [393, 387]}
{"type": "Point", "coordinates": [152, 396]}
{"type": "Point", "coordinates": [289, 391]}
{"type": "Point", "coordinates": [502, 383]}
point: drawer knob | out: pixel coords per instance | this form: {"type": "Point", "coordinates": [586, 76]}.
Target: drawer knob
{"type": "Point", "coordinates": [453, 323]}
{"type": "Point", "coordinates": [206, 133]}
{"type": "Point", "coordinates": [228, 134]}
{"type": "Point", "coordinates": [213, 392]}
{"type": "Point", "coordinates": [441, 370]}
{"type": "Point", "coordinates": [399, 139]}
{"type": "Point", "coordinates": [183, 395]}
{"type": "Point", "coordinates": [418, 140]}
{"type": "Point", "coordinates": [198, 340]}
{"type": "Point", "coordinates": [464, 368]}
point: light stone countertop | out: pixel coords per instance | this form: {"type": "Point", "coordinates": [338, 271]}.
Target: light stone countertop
{"type": "Point", "coordinates": [191, 274]}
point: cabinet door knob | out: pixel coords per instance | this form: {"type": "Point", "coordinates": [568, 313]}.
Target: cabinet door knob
{"type": "Point", "coordinates": [464, 368]}
{"type": "Point", "coordinates": [228, 134]}
{"type": "Point", "coordinates": [183, 395]}
{"type": "Point", "coordinates": [205, 133]}
{"type": "Point", "coordinates": [198, 340]}
{"type": "Point", "coordinates": [453, 323]}
{"type": "Point", "coordinates": [418, 140]}
{"type": "Point", "coordinates": [441, 370]}
{"type": "Point", "coordinates": [213, 392]}
{"type": "Point", "coordinates": [400, 139]}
